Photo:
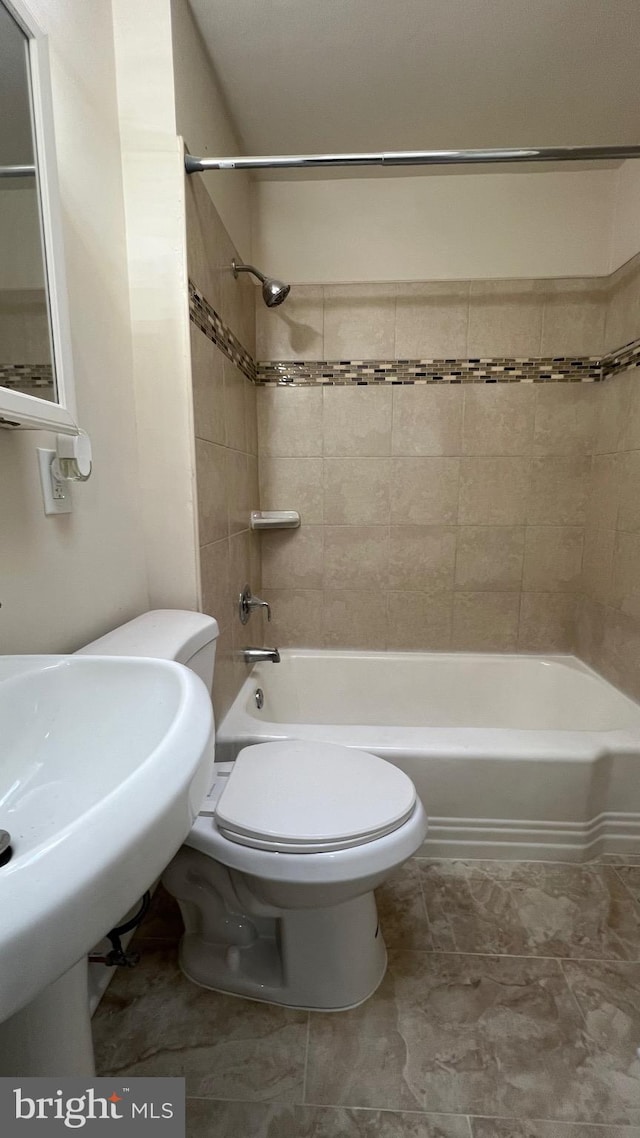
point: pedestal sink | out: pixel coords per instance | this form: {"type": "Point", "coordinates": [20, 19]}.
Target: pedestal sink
{"type": "Point", "coordinates": [104, 762]}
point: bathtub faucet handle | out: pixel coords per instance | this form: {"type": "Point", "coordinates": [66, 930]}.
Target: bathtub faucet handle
{"type": "Point", "coordinates": [247, 603]}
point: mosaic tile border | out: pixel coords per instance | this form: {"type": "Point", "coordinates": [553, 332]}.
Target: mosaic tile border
{"type": "Point", "coordinates": [499, 369]}
{"type": "Point", "coordinates": [205, 317]}
{"type": "Point", "coordinates": [26, 375]}
{"type": "Point", "coordinates": [331, 373]}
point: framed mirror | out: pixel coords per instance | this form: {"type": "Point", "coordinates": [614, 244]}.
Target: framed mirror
{"type": "Point", "coordinates": [36, 371]}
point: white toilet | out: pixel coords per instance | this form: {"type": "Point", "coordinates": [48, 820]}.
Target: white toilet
{"type": "Point", "coordinates": [275, 881]}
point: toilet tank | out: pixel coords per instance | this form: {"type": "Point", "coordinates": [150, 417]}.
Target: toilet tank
{"type": "Point", "coordinates": [166, 634]}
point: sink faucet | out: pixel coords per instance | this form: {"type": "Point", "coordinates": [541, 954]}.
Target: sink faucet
{"type": "Point", "coordinates": [258, 655]}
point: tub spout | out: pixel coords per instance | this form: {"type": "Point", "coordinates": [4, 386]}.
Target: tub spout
{"type": "Point", "coordinates": [258, 655]}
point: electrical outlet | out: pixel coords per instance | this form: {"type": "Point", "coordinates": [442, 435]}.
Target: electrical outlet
{"type": "Point", "coordinates": [56, 494]}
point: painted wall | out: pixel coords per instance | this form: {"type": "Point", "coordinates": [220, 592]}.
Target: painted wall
{"type": "Point", "coordinates": [64, 580]}
{"type": "Point", "coordinates": [439, 227]}
{"type": "Point", "coordinates": [626, 229]}
{"type": "Point", "coordinates": [153, 178]}
{"type": "Point", "coordinates": [204, 121]}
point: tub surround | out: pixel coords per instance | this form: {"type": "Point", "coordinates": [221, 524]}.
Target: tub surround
{"type": "Point", "coordinates": [224, 414]}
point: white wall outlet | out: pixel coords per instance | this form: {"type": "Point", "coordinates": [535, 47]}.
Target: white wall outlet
{"type": "Point", "coordinates": [56, 494]}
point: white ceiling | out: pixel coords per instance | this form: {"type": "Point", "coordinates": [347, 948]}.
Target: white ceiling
{"type": "Point", "coordinates": [313, 75]}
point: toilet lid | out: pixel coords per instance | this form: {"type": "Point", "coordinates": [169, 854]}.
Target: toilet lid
{"type": "Point", "coordinates": [299, 797]}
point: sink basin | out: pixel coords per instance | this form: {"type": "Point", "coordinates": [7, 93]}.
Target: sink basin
{"type": "Point", "coordinates": [104, 762]}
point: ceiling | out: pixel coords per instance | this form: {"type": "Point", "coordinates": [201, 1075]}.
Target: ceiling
{"type": "Point", "coordinates": [314, 75]}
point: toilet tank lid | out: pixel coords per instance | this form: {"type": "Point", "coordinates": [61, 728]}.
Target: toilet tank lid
{"type": "Point", "coordinates": [165, 634]}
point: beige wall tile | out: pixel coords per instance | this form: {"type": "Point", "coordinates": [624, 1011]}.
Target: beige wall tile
{"type": "Point", "coordinates": [419, 621]}
{"type": "Point", "coordinates": [240, 572]}
{"type": "Point", "coordinates": [485, 622]}
{"type": "Point", "coordinates": [208, 244]}
{"type": "Point", "coordinates": [356, 556]}
{"type": "Point", "coordinates": [356, 491]}
{"type": "Point", "coordinates": [292, 484]}
{"type": "Point", "coordinates": [359, 322]}
{"type": "Point", "coordinates": [613, 415]}
{"type": "Point", "coordinates": [211, 475]}
{"type": "Point", "coordinates": [357, 421]}
{"type": "Point", "coordinates": [553, 559]}
{"type": "Point", "coordinates": [296, 618]}
{"type": "Point", "coordinates": [424, 491]}
{"type": "Point", "coordinates": [573, 320]}
{"type": "Point", "coordinates": [240, 499]}
{"type": "Point", "coordinates": [427, 420]}
{"type": "Point", "coordinates": [207, 371]}
{"type": "Point", "coordinates": [251, 416]}
{"type": "Point", "coordinates": [558, 492]}
{"type": "Point", "coordinates": [597, 563]}
{"type": "Point", "coordinates": [422, 557]}
{"type": "Point", "coordinates": [629, 502]}
{"type": "Point", "coordinates": [565, 418]}
{"type": "Point", "coordinates": [290, 421]}
{"type": "Point", "coordinates": [625, 590]}
{"type": "Point", "coordinates": [489, 557]}
{"type": "Point", "coordinates": [234, 407]}
{"type": "Point", "coordinates": [620, 650]}
{"type": "Point", "coordinates": [431, 320]}
{"type": "Point", "coordinates": [631, 433]}
{"type": "Point", "coordinates": [214, 573]}
{"type": "Point", "coordinates": [623, 308]}
{"type": "Point", "coordinates": [294, 330]}
{"type": "Point", "coordinates": [547, 622]}
{"type": "Point", "coordinates": [505, 318]}
{"type": "Point", "coordinates": [293, 558]}
{"type": "Point", "coordinates": [605, 485]}
{"type": "Point", "coordinates": [356, 618]}
{"type": "Point", "coordinates": [228, 675]}
{"type": "Point", "coordinates": [498, 419]}
{"type": "Point", "coordinates": [493, 491]}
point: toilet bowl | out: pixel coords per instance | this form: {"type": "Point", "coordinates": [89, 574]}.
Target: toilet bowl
{"type": "Point", "coordinates": [275, 881]}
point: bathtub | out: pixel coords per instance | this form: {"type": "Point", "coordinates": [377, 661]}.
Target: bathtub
{"type": "Point", "coordinates": [513, 756]}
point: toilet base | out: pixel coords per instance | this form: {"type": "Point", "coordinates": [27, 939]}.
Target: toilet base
{"type": "Point", "coordinates": [327, 959]}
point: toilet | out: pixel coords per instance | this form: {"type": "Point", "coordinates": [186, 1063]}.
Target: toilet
{"type": "Point", "coordinates": [275, 880]}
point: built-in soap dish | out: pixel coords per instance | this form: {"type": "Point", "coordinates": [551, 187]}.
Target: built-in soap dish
{"type": "Point", "coordinates": [275, 519]}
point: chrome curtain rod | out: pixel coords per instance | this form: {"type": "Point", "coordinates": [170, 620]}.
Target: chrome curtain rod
{"type": "Point", "coordinates": [412, 158]}
{"type": "Point", "coordinates": [17, 171]}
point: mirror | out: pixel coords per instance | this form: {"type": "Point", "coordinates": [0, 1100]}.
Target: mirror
{"type": "Point", "coordinates": [36, 387]}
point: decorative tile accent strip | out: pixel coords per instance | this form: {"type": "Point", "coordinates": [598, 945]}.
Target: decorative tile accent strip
{"type": "Point", "coordinates": [621, 359]}
{"type": "Point", "coordinates": [26, 375]}
{"type": "Point", "coordinates": [502, 369]}
{"type": "Point", "coordinates": [205, 317]}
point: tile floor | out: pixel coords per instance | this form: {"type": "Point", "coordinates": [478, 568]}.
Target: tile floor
{"type": "Point", "coordinates": [510, 1009]}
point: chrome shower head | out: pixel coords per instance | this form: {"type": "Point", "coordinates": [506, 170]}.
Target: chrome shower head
{"type": "Point", "coordinates": [273, 291]}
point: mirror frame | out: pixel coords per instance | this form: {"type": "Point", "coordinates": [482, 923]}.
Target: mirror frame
{"type": "Point", "coordinates": [17, 409]}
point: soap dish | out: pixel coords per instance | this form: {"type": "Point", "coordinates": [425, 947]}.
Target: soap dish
{"type": "Point", "coordinates": [275, 519]}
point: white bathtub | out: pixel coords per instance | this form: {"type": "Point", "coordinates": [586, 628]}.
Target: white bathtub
{"type": "Point", "coordinates": [513, 756]}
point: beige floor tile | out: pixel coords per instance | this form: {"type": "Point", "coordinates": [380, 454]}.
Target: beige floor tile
{"type": "Point", "coordinates": [401, 908]}
{"type": "Point", "coordinates": [153, 1021]}
{"type": "Point", "coordinates": [468, 1034]}
{"type": "Point", "coordinates": [520, 1128]}
{"type": "Point", "coordinates": [266, 1120]}
{"type": "Point", "coordinates": [533, 909]}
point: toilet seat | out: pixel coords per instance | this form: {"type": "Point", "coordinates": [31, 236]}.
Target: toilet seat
{"type": "Point", "coordinates": [299, 797]}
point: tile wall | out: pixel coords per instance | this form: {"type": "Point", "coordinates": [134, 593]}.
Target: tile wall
{"type": "Point", "coordinates": [609, 620]}
{"type": "Point", "coordinates": [435, 516]}
{"type": "Point", "coordinates": [25, 350]}
{"type": "Point", "coordinates": [224, 402]}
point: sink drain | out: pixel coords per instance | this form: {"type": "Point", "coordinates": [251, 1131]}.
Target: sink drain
{"type": "Point", "coordinates": [5, 847]}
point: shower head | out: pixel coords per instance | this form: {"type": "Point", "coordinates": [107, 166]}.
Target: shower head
{"type": "Point", "coordinates": [273, 291]}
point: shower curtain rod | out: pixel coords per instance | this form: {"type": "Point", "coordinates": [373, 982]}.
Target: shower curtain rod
{"type": "Point", "coordinates": [411, 158]}
{"type": "Point", "coordinates": [17, 171]}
